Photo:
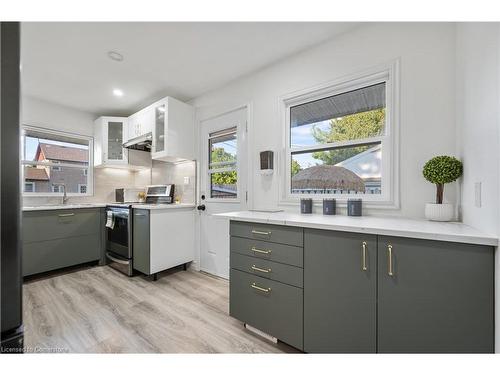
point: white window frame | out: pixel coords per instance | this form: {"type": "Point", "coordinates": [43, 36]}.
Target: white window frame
{"type": "Point", "coordinates": [389, 198]}
{"type": "Point", "coordinates": [33, 186]}
{"type": "Point", "coordinates": [49, 164]}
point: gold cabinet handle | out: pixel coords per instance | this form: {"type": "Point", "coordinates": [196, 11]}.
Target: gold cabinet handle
{"type": "Point", "coordinates": [390, 270]}
{"type": "Point", "coordinates": [265, 290]}
{"type": "Point", "coordinates": [66, 215]}
{"type": "Point", "coordinates": [261, 269]}
{"type": "Point", "coordinates": [254, 231]}
{"type": "Point", "coordinates": [254, 249]}
{"type": "Point", "coordinates": [363, 258]}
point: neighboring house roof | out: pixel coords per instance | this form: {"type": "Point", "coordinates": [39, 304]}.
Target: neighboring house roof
{"type": "Point", "coordinates": [327, 177]}
{"type": "Point", "coordinates": [38, 174]}
{"type": "Point", "coordinates": [366, 164]}
{"type": "Point", "coordinates": [48, 151]}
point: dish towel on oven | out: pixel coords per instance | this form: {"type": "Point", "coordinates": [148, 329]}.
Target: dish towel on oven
{"type": "Point", "coordinates": [110, 222]}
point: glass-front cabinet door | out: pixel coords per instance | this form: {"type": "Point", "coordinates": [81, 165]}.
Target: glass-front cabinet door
{"type": "Point", "coordinates": [115, 135]}
{"type": "Point", "coordinates": [159, 123]}
{"type": "Point", "coordinates": [115, 140]}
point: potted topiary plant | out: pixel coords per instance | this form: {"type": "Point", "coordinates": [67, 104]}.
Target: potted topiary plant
{"type": "Point", "coordinates": [441, 170]}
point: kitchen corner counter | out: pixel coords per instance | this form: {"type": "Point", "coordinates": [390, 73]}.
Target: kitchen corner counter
{"type": "Point", "coordinates": [389, 226]}
{"type": "Point", "coordinates": [163, 206]}
{"type": "Point", "coordinates": [63, 206]}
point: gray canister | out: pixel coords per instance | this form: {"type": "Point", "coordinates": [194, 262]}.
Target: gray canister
{"type": "Point", "coordinates": [306, 206]}
{"type": "Point", "coordinates": [329, 206]}
{"type": "Point", "coordinates": [354, 207]}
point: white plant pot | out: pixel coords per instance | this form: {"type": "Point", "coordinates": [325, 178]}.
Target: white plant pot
{"type": "Point", "coordinates": [439, 212]}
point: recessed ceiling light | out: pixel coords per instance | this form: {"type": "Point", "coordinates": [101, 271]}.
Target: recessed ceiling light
{"type": "Point", "coordinates": [115, 56]}
{"type": "Point", "coordinates": [117, 92]}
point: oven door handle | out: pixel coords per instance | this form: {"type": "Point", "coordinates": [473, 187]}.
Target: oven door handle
{"type": "Point", "coordinates": [120, 215]}
{"type": "Point", "coordinates": [116, 259]}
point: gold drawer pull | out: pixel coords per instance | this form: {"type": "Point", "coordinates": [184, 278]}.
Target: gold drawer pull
{"type": "Point", "coordinates": [254, 249]}
{"type": "Point", "coordinates": [260, 269]}
{"type": "Point", "coordinates": [390, 270]}
{"type": "Point", "coordinates": [265, 290]}
{"type": "Point", "coordinates": [66, 215]}
{"type": "Point", "coordinates": [363, 256]}
{"type": "Point", "coordinates": [261, 232]}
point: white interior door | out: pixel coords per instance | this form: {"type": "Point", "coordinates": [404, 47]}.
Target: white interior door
{"type": "Point", "coordinates": [223, 185]}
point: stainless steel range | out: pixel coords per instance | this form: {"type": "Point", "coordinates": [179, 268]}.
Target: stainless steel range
{"type": "Point", "coordinates": [119, 231]}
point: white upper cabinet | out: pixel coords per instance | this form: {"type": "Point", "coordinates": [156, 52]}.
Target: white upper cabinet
{"type": "Point", "coordinates": [140, 123]}
{"type": "Point", "coordinates": [171, 123]}
{"type": "Point", "coordinates": [173, 130]}
{"type": "Point", "coordinates": [109, 135]}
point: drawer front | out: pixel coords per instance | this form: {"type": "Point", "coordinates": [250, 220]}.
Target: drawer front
{"type": "Point", "coordinates": [50, 255]}
{"type": "Point", "coordinates": [267, 232]}
{"type": "Point", "coordinates": [54, 224]}
{"type": "Point", "coordinates": [291, 255]}
{"type": "Point", "coordinates": [270, 270]}
{"type": "Point", "coordinates": [276, 309]}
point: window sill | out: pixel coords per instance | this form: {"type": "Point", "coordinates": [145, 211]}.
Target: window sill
{"type": "Point", "coordinates": [342, 203]}
{"type": "Point", "coordinates": [215, 200]}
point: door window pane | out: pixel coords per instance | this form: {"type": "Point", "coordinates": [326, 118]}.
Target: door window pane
{"type": "Point", "coordinates": [222, 163]}
{"type": "Point", "coordinates": [223, 150]}
{"type": "Point", "coordinates": [223, 185]}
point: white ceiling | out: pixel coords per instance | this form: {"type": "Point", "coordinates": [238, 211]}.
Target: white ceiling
{"type": "Point", "coordinates": [67, 63]}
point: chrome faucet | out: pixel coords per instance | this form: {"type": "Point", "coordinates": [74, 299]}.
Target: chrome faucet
{"type": "Point", "coordinates": [65, 196]}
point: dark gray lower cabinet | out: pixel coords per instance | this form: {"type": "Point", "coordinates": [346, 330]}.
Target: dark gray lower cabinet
{"type": "Point", "coordinates": [54, 239]}
{"type": "Point", "coordinates": [141, 241]}
{"type": "Point", "coordinates": [63, 252]}
{"type": "Point", "coordinates": [434, 297]}
{"type": "Point", "coordinates": [363, 293]}
{"type": "Point", "coordinates": [270, 306]}
{"type": "Point", "coordinates": [340, 287]}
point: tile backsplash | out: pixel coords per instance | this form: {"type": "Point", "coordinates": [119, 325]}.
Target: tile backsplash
{"type": "Point", "coordinates": [106, 180]}
{"type": "Point", "coordinates": [183, 175]}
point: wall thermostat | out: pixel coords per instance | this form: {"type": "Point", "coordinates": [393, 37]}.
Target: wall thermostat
{"type": "Point", "coordinates": [266, 162]}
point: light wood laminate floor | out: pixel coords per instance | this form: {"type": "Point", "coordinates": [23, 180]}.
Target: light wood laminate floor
{"type": "Point", "coordinates": [98, 310]}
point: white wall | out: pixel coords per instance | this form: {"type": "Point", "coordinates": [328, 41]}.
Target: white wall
{"type": "Point", "coordinates": [427, 125]}
{"type": "Point", "coordinates": [49, 115]}
{"type": "Point", "coordinates": [478, 123]}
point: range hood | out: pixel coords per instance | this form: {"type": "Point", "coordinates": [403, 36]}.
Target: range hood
{"type": "Point", "coordinates": [141, 143]}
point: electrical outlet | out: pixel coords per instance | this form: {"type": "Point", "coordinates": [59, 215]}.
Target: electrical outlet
{"type": "Point", "coordinates": [186, 180]}
{"type": "Point", "coordinates": [477, 194]}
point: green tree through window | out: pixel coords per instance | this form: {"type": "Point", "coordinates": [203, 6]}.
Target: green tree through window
{"type": "Point", "coordinates": [355, 126]}
{"type": "Point", "coordinates": [219, 155]}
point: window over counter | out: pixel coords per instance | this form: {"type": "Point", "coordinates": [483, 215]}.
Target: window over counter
{"type": "Point", "coordinates": [54, 161]}
{"type": "Point", "coordinates": [339, 140]}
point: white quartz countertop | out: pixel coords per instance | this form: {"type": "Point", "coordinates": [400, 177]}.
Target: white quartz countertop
{"type": "Point", "coordinates": [163, 206]}
{"type": "Point", "coordinates": [389, 226]}
{"type": "Point", "coordinates": [45, 207]}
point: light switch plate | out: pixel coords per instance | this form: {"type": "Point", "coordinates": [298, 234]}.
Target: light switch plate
{"type": "Point", "coordinates": [477, 194]}
{"type": "Point", "coordinates": [186, 180]}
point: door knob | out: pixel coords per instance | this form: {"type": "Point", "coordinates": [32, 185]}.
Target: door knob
{"type": "Point", "coordinates": [201, 207]}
